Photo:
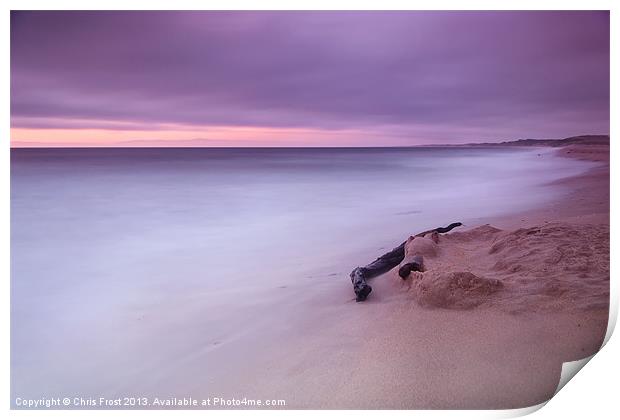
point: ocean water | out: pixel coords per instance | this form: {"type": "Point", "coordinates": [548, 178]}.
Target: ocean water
{"type": "Point", "coordinates": [128, 265]}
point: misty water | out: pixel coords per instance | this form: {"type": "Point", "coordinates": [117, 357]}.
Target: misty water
{"type": "Point", "coordinates": [129, 265]}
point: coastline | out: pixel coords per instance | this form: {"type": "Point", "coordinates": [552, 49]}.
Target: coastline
{"type": "Point", "coordinates": [392, 352]}
{"type": "Point", "coordinates": [586, 199]}
{"type": "Point", "coordinates": [561, 331]}
{"type": "Point", "coordinates": [304, 339]}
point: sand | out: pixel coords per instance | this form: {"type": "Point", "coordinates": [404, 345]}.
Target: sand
{"type": "Point", "coordinates": [488, 325]}
{"type": "Point", "coordinates": [555, 266]}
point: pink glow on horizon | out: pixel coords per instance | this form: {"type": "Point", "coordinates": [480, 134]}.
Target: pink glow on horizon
{"type": "Point", "coordinates": [183, 136]}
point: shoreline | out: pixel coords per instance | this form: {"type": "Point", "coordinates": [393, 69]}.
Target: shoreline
{"type": "Point", "coordinates": [587, 193]}
{"type": "Point", "coordinates": [304, 339]}
{"type": "Point", "coordinates": [583, 209]}
{"type": "Point", "coordinates": [392, 352]}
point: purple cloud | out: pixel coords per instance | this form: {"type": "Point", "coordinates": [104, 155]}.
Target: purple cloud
{"type": "Point", "coordinates": [519, 74]}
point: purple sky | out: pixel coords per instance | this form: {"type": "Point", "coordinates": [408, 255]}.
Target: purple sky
{"type": "Point", "coordinates": [369, 78]}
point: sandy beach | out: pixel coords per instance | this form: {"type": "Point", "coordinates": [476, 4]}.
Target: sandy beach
{"type": "Point", "coordinates": [488, 325]}
{"type": "Point", "coordinates": [536, 287]}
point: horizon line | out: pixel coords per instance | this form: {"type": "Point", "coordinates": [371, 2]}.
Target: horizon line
{"type": "Point", "coordinates": [38, 145]}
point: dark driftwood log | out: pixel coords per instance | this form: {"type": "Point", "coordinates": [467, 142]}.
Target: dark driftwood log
{"type": "Point", "coordinates": [386, 262]}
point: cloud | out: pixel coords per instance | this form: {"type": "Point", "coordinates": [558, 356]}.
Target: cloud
{"type": "Point", "coordinates": [489, 73]}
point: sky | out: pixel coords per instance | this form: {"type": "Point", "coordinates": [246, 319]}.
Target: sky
{"type": "Point", "coordinates": [217, 78]}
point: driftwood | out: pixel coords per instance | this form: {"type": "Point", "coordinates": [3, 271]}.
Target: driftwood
{"type": "Point", "coordinates": [386, 262]}
{"type": "Point", "coordinates": [415, 265]}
